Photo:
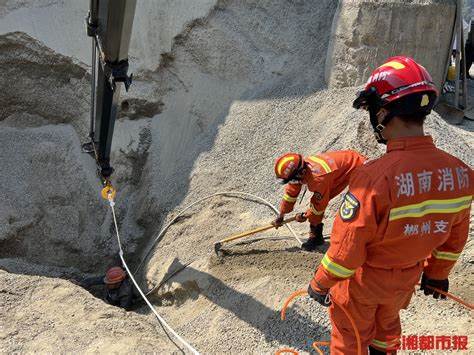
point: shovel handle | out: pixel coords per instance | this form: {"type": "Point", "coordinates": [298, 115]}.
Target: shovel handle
{"type": "Point", "coordinates": [254, 231]}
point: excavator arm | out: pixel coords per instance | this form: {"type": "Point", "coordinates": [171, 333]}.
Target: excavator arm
{"type": "Point", "coordinates": [109, 24]}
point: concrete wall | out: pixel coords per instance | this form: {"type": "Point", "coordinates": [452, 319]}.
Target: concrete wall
{"type": "Point", "coordinates": [366, 32]}
{"type": "Point", "coordinates": [60, 25]}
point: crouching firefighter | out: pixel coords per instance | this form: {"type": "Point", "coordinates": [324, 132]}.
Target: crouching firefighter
{"type": "Point", "coordinates": [325, 175]}
{"type": "Point", "coordinates": [405, 215]}
{"type": "Point", "coordinates": [119, 290]}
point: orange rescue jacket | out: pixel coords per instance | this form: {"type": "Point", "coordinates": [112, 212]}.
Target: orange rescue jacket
{"type": "Point", "coordinates": [327, 176]}
{"type": "Point", "coordinates": [411, 205]}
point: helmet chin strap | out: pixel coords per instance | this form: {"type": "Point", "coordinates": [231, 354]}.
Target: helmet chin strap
{"type": "Point", "coordinates": [379, 127]}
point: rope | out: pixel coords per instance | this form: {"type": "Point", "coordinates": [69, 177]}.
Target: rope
{"type": "Point", "coordinates": [286, 350]}
{"type": "Point", "coordinates": [162, 232]}
{"type": "Point", "coordinates": [160, 319]}
{"type": "Point", "coordinates": [108, 192]}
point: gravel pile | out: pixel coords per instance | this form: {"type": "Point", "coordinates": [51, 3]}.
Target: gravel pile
{"type": "Point", "coordinates": [267, 270]}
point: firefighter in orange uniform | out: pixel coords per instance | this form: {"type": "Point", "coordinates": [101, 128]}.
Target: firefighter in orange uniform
{"type": "Point", "coordinates": [405, 215]}
{"type": "Point", "coordinates": [325, 175]}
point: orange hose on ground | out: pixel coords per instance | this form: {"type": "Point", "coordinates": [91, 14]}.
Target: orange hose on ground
{"type": "Point", "coordinates": [286, 350]}
{"type": "Point", "coordinates": [450, 295]}
{"type": "Point", "coordinates": [315, 344]}
{"type": "Point", "coordinates": [289, 299]}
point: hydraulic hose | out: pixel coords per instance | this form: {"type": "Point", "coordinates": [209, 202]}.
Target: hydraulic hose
{"type": "Point", "coordinates": [228, 193]}
{"type": "Point", "coordinates": [286, 351]}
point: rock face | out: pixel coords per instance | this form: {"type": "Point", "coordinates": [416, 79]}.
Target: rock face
{"type": "Point", "coordinates": [60, 25]}
{"type": "Point", "coordinates": [50, 212]}
{"type": "Point", "coordinates": [366, 32]}
{"type": "Point", "coordinates": [40, 85]}
{"type": "Point", "coordinates": [242, 51]}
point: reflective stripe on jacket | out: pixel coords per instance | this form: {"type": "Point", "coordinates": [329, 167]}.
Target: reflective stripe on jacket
{"type": "Point", "coordinates": [327, 176]}
{"type": "Point", "coordinates": [410, 205]}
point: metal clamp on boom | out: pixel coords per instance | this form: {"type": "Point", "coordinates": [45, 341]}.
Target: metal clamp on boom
{"type": "Point", "coordinates": [117, 73]}
{"type": "Point", "coordinates": [91, 26]}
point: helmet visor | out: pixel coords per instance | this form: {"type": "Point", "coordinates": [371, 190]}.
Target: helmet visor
{"type": "Point", "coordinates": [368, 99]}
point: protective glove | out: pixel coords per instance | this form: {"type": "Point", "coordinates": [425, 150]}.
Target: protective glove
{"type": "Point", "coordinates": [278, 222]}
{"type": "Point", "coordinates": [301, 217]}
{"type": "Point", "coordinates": [320, 295]}
{"type": "Point", "coordinates": [443, 285]}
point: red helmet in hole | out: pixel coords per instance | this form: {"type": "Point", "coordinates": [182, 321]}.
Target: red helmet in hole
{"type": "Point", "coordinates": [114, 275]}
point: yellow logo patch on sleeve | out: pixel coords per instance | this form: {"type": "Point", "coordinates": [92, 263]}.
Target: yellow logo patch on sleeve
{"type": "Point", "coordinates": [349, 207]}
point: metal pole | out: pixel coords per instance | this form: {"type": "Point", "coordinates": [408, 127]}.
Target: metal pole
{"type": "Point", "coordinates": [92, 22]}
{"type": "Point", "coordinates": [458, 51]}
{"type": "Point", "coordinates": [450, 51]}
{"type": "Point", "coordinates": [94, 11]}
{"type": "Point", "coordinates": [93, 85]}
{"type": "Point", "coordinates": [110, 24]}
{"type": "Point", "coordinates": [464, 74]}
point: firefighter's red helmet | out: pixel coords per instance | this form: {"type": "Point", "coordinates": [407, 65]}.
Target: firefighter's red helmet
{"type": "Point", "coordinates": [287, 166]}
{"type": "Point", "coordinates": [114, 275]}
{"type": "Point", "coordinates": [398, 78]}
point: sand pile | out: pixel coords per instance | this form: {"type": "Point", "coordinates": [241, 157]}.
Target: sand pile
{"type": "Point", "coordinates": [46, 315]}
{"type": "Point", "coordinates": [59, 25]}
{"type": "Point", "coordinates": [239, 86]}
{"type": "Point", "coordinates": [52, 213]}
{"type": "Point", "coordinates": [48, 81]}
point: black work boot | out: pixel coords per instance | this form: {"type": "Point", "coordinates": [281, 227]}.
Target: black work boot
{"type": "Point", "coordinates": [315, 238]}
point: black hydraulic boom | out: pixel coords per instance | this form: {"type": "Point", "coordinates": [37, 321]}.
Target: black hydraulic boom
{"type": "Point", "coordinates": [109, 23]}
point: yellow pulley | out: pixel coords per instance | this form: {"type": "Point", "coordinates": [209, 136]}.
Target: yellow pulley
{"type": "Point", "coordinates": [108, 192]}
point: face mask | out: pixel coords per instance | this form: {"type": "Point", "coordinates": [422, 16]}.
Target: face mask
{"type": "Point", "coordinates": [371, 101]}
{"type": "Point", "coordinates": [377, 127]}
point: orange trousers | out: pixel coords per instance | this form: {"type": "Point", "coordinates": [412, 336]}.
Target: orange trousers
{"type": "Point", "coordinates": [374, 298]}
